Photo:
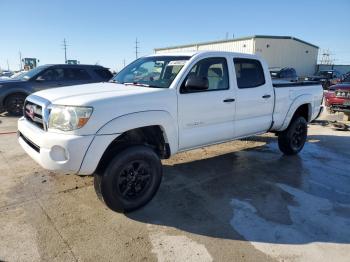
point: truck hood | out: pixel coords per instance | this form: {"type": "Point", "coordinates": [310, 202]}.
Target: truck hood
{"type": "Point", "coordinates": [89, 93]}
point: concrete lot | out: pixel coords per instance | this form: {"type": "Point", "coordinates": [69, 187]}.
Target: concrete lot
{"type": "Point", "coordinates": [240, 201]}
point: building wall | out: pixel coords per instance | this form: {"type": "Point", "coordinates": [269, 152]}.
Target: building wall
{"type": "Point", "coordinates": [242, 46]}
{"type": "Point", "coordinates": [288, 53]}
{"type": "Point", "coordinates": [279, 53]}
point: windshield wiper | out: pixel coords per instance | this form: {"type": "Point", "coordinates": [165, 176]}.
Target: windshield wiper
{"type": "Point", "coordinates": [135, 84]}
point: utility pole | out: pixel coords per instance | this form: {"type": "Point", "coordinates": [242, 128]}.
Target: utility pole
{"type": "Point", "coordinates": [20, 60]}
{"type": "Point", "coordinates": [124, 62]}
{"type": "Point", "coordinates": [137, 48]}
{"type": "Point", "coordinates": [65, 50]}
{"type": "Point", "coordinates": [8, 66]}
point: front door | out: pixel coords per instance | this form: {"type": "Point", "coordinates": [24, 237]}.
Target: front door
{"type": "Point", "coordinates": [206, 116]}
{"type": "Point", "coordinates": [50, 78]}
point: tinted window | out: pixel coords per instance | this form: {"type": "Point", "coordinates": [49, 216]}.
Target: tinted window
{"type": "Point", "coordinates": [213, 69]}
{"type": "Point", "coordinates": [104, 73]}
{"type": "Point", "coordinates": [55, 74]}
{"type": "Point", "coordinates": [249, 73]}
{"type": "Point", "coordinates": [73, 74]}
{"type": "Point", "coordinates": [283, 74]}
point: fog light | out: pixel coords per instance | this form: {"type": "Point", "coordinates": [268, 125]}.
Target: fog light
{"type": "Point", "coordinates": [58, 154]}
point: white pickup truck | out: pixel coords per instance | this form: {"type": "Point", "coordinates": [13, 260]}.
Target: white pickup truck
{"type": "Point", "coordinates": [157, 106]}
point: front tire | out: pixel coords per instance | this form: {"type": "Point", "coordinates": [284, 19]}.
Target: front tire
{"type": "Point", "coordinates": [14, 104]}
{"type": "Point", "coordinates": [131, 179]}
{"type": "Point", "coordinates": [292, 140]}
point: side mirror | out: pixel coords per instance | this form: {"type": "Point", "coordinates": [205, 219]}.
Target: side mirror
{"type": "Point", "coordinates": [196, 83]}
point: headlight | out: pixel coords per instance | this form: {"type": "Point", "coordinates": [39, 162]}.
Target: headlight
{"type": "Point", "coordinates": [68, 118]}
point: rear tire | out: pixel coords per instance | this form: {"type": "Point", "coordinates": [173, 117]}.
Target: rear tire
{"type": "Point", "coordinates": [131, 179]}
{"type": "Point", "coordinates": [14, 104]}
{"type": "Point", "coordinates": [292, 140]}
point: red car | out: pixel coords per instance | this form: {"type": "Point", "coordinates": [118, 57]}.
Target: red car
{"type": "Point", "coordinates": [338, 98]}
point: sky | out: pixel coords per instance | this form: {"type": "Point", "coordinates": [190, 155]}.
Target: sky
{"type": "Point", "coordinates": [105, 31]}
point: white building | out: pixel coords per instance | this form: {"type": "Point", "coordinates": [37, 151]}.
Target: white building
{"type": "Point", "coordinates": [278, 51]}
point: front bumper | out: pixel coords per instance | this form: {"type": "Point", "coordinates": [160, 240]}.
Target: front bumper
{"type": "Point", "coordinates": [58, 152]}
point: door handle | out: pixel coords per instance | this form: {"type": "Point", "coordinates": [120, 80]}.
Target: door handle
{"type": "Point", "coordinates": [266, 96]}
{"type": "Point", "coordinates": [229, 100]}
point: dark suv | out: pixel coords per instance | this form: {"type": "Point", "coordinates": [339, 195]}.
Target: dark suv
{"type": "Point", "coordinates": [14, 91]}
{"type": "Point", "coordinates": [287, 73]}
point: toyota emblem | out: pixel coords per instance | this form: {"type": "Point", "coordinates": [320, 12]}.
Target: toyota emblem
{"type": "Point", "coordinates": [31, 113]}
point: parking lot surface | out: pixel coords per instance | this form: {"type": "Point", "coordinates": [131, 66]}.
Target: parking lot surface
{"type": "Point", "coordinates": [239, 201]}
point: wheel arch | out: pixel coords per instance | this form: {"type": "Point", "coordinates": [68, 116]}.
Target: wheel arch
{"type": "Point", "coordinates": [150, 136]}
{"type": "Point", "coordinates": [11, 93]}
{"type": "Point", "coordinates": [300, 107]}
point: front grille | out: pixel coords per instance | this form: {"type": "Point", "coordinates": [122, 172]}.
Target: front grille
{"type": "Point", "coordinates": [34, 114]}
{"type": "Point", "coordinates": [342, 94]}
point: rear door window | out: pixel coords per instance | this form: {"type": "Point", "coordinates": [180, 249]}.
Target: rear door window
{"type": "Point", "coordinates": [75, 74]}
{"type": "Point", "coordinates": [249, 73]}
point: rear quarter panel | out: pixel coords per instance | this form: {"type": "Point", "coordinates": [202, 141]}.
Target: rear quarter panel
{"type": "Point", "coordinates": [288, 99]}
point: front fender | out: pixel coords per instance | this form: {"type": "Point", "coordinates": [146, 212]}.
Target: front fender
{"type": "Point", "coordinates": [134, 120]}
{"type": "Point", "coordinates": [300, 100]}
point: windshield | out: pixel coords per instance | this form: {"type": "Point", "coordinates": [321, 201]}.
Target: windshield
{"type": "Point", "coordinates": [156, 71]}
{"type": "Point", "coordinates": [30, 73]}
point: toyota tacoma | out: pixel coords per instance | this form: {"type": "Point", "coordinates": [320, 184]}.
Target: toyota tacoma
{"type": "Point", "coordinates": [155, 107]}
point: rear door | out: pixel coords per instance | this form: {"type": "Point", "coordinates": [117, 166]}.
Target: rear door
{"type": "Point", "coordinates": [206, 116]}
{"type": "Point", "coordinates": [254, 99]}
{"type": "Point", "coordinates": [75, 76]}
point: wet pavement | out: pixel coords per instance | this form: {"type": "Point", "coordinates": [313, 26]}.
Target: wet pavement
{"type": "Point", "coordinates": [240, 201]}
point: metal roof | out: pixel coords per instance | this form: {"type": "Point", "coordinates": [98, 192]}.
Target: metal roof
{"type": "Point", "coordinates": [238, 39]}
